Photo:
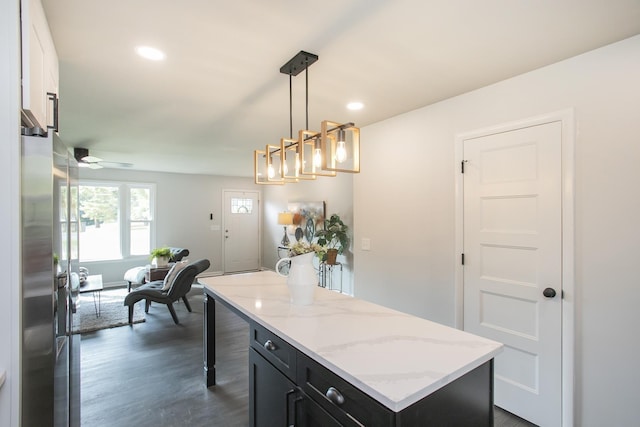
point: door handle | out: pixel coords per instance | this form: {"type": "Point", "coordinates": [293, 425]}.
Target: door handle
{"type": "Point", "coordinates": [287, 397]}
{"type": "Point", "coordinates": [549, 292]}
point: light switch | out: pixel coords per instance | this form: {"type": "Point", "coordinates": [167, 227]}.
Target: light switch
{"type": "Point", "coordinates": [366, 244]}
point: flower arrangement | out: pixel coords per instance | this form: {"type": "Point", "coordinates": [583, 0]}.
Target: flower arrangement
{"type": "Point", "coordinates": [302, 247]}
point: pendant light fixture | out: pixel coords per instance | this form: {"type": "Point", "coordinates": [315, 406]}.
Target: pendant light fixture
{"type": "Point", "coordinates": [336, 148]}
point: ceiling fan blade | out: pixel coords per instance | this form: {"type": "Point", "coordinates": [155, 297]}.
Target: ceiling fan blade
{"type": "Point", "coordinates": [91, 159]}
{"type": "Point", "coordinates": [115, 164]}
{"type": "Point", "coordinates": [89, 165]}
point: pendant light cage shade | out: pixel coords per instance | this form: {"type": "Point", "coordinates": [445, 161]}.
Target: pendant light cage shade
{"type": "Point", "coordinates": [260, 170]}
{"type": "Point", "coordinates": [293, 161]}
{"type": "Point", "coordinates": [274, 163]}
{"type": "Point", "coordinates": [311, 154]}
{"type": "Point", "coordinates": [340, 144]}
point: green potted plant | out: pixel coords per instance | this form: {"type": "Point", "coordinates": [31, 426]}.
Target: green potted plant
{"type": "Point", "coordinates": [334, 237]}
{"type": "Point", "coordinates": [161, 256]}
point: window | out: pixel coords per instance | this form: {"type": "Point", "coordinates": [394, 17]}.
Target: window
{"type": "Point", "coordinates": [241, 206]}
{"type": "Point", "coordinates": [116, 220]}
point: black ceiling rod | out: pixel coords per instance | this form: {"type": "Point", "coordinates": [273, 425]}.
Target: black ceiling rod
{"type": "Point", "coordinates": [290, 107]}
{"type": "Point", "coordinates": [306, 97]}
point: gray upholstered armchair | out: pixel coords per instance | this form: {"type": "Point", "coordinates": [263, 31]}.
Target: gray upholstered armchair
{"type": "Point", "coordinates": [136, 275]}
{"type": "Point", "coordinates": [178, 253]}
{"type": "Point", "coordinates": [176, 287]}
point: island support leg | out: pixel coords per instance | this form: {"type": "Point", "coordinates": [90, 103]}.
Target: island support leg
{"type": "Point", "coordinates": [209, 340]}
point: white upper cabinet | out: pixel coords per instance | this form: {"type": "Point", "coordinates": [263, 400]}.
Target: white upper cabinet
{"type": "Point", "coordinates": [39, 66]}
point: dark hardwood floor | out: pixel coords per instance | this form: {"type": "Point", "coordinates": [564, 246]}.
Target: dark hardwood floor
{"type": "Point", "coordinates": [151, 375]}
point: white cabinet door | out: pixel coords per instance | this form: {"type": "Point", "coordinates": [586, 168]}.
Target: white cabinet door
{"type": "Point", "coordinates": [39, 65]}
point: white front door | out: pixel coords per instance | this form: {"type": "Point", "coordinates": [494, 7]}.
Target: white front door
{"type": "Point", "coordinates": [241, 231]}
{"type": "Point", "coordinates": [513, 263]}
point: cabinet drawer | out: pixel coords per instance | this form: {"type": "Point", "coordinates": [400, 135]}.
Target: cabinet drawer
{"type": "Point", "coordinates": [274, 349]}
{"type": "Point", "coordinates": [349, 405]}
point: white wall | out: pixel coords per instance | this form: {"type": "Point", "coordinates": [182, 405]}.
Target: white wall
{"type": "Point", "coordinates": [183, 206]}
{"type": "Point", "coordinates": [408, 211]}
{"type": "Point", "coordinates": [337, 192]}
{"type": "Point", "coordinates": [9, 214]}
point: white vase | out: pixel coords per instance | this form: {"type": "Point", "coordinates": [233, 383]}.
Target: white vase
{"type": "Point", "coordinates": [302, 279]}
{"type": "Point", "coordinates": [161, 261]}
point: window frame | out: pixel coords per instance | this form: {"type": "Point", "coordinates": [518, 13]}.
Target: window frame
{"type": "Point", "coordinates": [124, 214]}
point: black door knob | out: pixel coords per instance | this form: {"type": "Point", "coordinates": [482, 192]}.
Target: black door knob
{"type": "Point", "coordinates": [549, 293]}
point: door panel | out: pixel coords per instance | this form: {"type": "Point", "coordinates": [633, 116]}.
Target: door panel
{"type": "Point", "coordinates": [513, 248]}
{"type": "Point", "coordinates": [241, 231]}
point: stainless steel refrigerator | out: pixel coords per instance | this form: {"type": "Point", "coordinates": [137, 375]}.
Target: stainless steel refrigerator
{"type": "Point", "coordinates": [50, 353]}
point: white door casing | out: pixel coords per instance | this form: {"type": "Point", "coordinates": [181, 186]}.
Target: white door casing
{"type": "Point", "coordinates": [511, 227]}
{"type": "Point", "coordinates": [241, 231]}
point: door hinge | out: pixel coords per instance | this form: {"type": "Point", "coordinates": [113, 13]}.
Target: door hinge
{"type": "Point", "coordinates": [462, 259]}
{"type": "Point", "coordinates": [462, 165]}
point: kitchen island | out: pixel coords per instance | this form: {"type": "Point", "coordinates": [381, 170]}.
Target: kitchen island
{"type": "Point", "coordinates": [345, 361]}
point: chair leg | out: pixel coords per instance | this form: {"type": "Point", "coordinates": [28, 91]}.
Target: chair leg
{"type": "Point", "coordinates": [131, 314]}
{"type": "Point", "coordinates": [173, 313]}
{"type": "Point", "coordinates": [128, 286]}
{"type": "Point", "coordinates": [147, 304]}
{"type": "Point", "coordinates": [186, 303]}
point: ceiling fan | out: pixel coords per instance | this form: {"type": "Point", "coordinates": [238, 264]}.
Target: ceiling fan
{"type": "Point", "coordinates": [92, 162]}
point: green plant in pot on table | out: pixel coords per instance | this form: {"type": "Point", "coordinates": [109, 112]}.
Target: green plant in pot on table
{"type": "Point", "coordinates": [334, 237]}
{"type": "Point", "coordinates": [161, 255]}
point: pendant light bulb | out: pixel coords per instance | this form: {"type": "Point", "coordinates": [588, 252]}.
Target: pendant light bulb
{"type": "Point", "coordinates": [341, 150]}
{"type": "Point", "coordinates": [317, 157]}
{"type": "Point", "coordinates": [270, 172]}
{"type": "Point", "coordinates": [317, 154]}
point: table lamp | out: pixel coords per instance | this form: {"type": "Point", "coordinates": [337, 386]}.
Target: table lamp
{"type": "Point", "coordinates": [285, 219]}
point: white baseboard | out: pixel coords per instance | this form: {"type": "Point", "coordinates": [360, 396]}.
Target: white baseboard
{"type": "Point", "coordinates": [211, 274]}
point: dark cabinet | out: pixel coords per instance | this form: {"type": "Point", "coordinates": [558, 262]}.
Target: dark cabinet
{"type": "Point", "coordinates": [349, 405]}
{"type": "Point", "coordinates": [276, 401]}
{"type": "Point", "coordinates": [287, 388]}
{"type": "Point", "coordinates": [310, 414]}
{"type": "Point", "coordinates": [271, 394]}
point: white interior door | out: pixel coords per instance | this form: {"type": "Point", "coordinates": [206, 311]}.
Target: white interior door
{"type": "Point", "coordinates": [512, 253]}
{"type": "Point", "coordinates": [241, 231]}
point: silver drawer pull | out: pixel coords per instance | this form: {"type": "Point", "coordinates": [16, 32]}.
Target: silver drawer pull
{"type": "Point", "coordinates": [269, 345]}
{"type": "Point", "coordinates": [335, 396]}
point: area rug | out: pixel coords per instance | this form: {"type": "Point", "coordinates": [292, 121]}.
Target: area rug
{"type": "Point", "coordinates": [113, 312]}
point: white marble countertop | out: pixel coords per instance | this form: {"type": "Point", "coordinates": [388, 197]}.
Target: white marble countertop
{"type": "Point", "coordinates": [394, 357]}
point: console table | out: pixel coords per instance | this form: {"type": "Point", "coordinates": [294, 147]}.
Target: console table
{"type": "Point", "coordinates": [93, 285]}
{"type": "Point", "coordinates": [342, 361]}
{"type": "Point", "coordinates": [156, 273]}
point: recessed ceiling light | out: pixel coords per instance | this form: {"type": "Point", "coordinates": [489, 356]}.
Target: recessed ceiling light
{"type": "Point", "coordinates": [355, 105]}
{"type": "Point", "coordinates": [150, 53]}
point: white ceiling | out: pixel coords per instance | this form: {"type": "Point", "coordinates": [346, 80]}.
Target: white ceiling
{"type": "Point", "coordinates": [219, 94]}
